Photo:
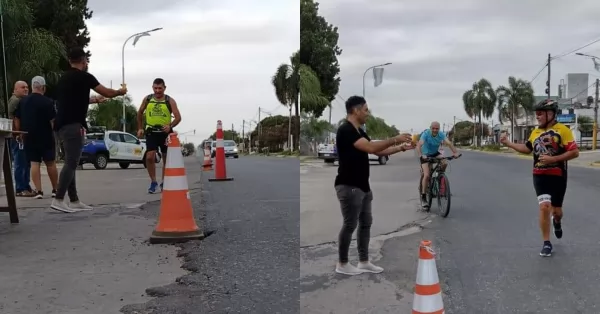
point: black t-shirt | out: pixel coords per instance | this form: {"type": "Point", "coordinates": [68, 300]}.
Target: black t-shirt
{"type": "Point", "coordinates": [36, 112]}
{"type": "Point", "coordinates": [354, 165]}
{"type": "Point", "coordinates": [73, 97]}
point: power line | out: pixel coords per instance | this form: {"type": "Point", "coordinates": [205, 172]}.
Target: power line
{"type": "Point", "coordinates": [539, 72]}
{"type": "Point", "coordinates": [583, 91]}
{"type": "Point", "coordinates": [577, 49]}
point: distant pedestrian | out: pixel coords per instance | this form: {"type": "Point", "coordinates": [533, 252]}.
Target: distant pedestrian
{"type": "Point", "coordinates": [352, 183]}
{"type": "Point", "coordinates": [73, 100]}
{"type": "Point", "coordinates": [20, 163]}
{"type": "Point", "coordinates": [35, 115]}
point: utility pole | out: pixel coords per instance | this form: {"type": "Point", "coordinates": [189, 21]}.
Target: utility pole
{"type": "Point", "coordinates": [595, 129]}
{"type": "Point", "coordinates": [548, 81]}
{"type": "Point", "coordinates": [258, 131]}
{"type": "Point", "coordinates": [232, 133]}
{"type": "Point", "coordinates": [243, 135]}
{"type": "Point", "coordinates": [329, 132]}
{"type": "Point", "coordinates": [453, 129]}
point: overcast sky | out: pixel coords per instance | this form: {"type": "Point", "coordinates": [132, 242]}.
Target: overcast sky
{"type": "Point", "coordinates": [217, 57]}
{"type": "Point", "coordinates": [439, 49]}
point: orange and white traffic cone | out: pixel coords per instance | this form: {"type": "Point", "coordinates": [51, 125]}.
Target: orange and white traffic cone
{"type": "Point", "coordinates": [207, 164]}
{"type": "Point", "coordinates": [220, 172]}
{"type": "Point", "coordinates": [428, 293]}
{"type": "Point", "coordinates": [176, 221]}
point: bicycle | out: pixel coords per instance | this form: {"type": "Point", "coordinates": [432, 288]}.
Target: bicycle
{"type": "Point", "coordinates": [439, 186]}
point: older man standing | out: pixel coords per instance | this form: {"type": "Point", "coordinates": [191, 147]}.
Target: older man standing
{"type": "Point", "coordinates": [35, 115]}
{"type": "Point", "coordinates": [20, 163]}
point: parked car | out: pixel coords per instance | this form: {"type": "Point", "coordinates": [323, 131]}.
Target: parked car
{"type": "Point", "coordinates": [103, 147]}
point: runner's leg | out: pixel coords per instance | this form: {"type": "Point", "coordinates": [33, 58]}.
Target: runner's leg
{"type": "Point", "coordinates": [557, 204]}
{"type": "Point", "coordinates": [543, 188]}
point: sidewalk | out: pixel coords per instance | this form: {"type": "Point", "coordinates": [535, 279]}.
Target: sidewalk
{"type": "Point", "coordinates": [88, 262]}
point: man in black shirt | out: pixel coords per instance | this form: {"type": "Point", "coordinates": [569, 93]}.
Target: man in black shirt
{"type": "Point", "coordinates": [73, 99]}
{"type": "Point", "coordinates": [35, 115]}
{"type": "Point", "coordinates": [352, 183]}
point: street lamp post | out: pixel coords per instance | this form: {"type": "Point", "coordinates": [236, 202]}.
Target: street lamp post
{"type": "Point", "coordinates": [595, 127]}
{"type": "Point", "coordinates": [367, 70]}
{"type": "Point", "coordinates": [135, 37]}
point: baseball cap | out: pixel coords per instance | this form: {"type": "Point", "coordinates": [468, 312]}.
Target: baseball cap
{"type": "Point", "coordinates": [38, 81]}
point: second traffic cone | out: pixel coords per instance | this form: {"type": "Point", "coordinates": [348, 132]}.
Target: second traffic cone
{"type": "Point", "coordinates": [220, 172]}
{"type": "Point", "coordinates": [176, 221]}
{"type": "Point", "coordinates": [207, 164]}
{"type": "Point", "coordinates": [428, 293]}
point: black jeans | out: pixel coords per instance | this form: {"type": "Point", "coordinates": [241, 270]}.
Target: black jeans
{"type": "Point", "coordinates": [72, 140]}
{"type": "Point", "coordinates": [356, 210]}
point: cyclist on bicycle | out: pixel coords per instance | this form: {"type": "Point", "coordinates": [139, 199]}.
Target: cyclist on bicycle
{"type": "Point", "coordinates": [552, 144]}
{"type": "Point", "coordinates": [154, 121]}
{"type": "Point", "coordinates": [429, 147]}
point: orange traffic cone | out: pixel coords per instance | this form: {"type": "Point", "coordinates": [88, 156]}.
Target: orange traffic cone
{"type": "Point", "coordinates": [207, 164]}
{"type": "Point", "coordinates": [428, 294]}
{"type": "Point", "coordinates": [220, 172]}
{"type": "Point", "coordinates": [176, 221]}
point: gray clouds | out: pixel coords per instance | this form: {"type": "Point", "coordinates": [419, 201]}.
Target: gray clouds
{"type": "Point", "coordinates": [438, 49]}
{"type": "Point", "coordinates": [217, 57]}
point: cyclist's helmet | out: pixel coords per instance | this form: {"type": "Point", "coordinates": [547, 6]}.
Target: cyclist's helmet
{"type": "Point", "coordinates": [546, 105]}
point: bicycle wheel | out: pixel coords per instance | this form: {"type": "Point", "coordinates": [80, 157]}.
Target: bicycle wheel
{"type": "Point", "coordinates": [443, 195]}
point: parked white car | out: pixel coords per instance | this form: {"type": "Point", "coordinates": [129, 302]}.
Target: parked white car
{"type": "Point", "coordinates": [102, 147]}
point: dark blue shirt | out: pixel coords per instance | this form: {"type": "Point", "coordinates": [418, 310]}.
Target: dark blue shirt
{"type": "Point", "coordinates": [36, 113]}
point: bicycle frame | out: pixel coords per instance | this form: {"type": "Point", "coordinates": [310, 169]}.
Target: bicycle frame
{"type": "Point", "coordinates": [434, 182]}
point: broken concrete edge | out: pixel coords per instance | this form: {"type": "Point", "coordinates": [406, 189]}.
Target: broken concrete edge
{"type": "Point", "coordinates": [595, 164]}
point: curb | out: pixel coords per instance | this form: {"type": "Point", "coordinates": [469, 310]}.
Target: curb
{"type": "Point", "coordinates": [517, 155]}
{"type": "Point", "coordinates": [595, 164]}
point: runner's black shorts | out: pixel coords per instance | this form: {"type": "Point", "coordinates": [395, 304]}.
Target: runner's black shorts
{"type": "Point", "coordinates": [550, 188]}
{"type": "Point", "coordinates": [156, 141]}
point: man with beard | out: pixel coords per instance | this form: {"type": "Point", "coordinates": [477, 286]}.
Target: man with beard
{"type": "Point", "coordinates": [73, 100]}
{"type": "Point", "coordinates": [352, 183]}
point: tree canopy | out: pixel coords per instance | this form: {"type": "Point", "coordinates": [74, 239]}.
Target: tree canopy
{"type": "Point", "coordinates": [480, 101]}
{"type": "Point", "coordinates": [462, 132]}
{"type": "Point", "coordinates": [319, 47]}
{"type": "Point", "coordinates": [378, 129]}
{"type": "Point", "coordinates": [227, 135]}
{"type": "Point", "coordinates": [110, 113]}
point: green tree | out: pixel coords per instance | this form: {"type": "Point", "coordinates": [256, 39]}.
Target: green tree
{"type": "Point", "coordinates": [29, 51]}
{"type": "Point", "coordinates": [377, 128]}
{"type": "Point", "coordinates": [297, 83]}
{"type": "Point", "coordinates": [190, 147]}
{"type": "Point", "coordinates": [227, 135]}
{"type": "Point", "coordinates": [319, 47]}
{"type": "Point", "coordinates": [110, 113]}
{"type": "Point", "coordinates": [585, 124]}
{"type": "Point", "coordinates": [66, 20]}
{"type": "Point", "coordinates": [462, 132]}
{"type": "Point", "coordinates": [314, 128]}
{"type": "Point", "coordinates": [480, 101]}
{"type": "Point", "coordinates": [273, 132]}
{"type": "Point", "coordinates": [515, 100]}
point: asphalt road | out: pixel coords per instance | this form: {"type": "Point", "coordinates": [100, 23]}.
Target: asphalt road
{"type": "Point", "coordinates": [250, 263]}
{"type": "Point", "coordinates": [488, 248]}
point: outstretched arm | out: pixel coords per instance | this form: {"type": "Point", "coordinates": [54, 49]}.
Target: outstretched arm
{"type": "Point", "coordinates": [449, 144]}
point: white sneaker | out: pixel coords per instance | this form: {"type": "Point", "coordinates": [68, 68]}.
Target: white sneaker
{"type": "Point", "coordinates": [61, 206]}
{"type": "Point", "coordinates": [347, 269]}
{"type": "Point", "coordinates": [368, 267]}
{"type": "Point", "coordinates": [79, 206]}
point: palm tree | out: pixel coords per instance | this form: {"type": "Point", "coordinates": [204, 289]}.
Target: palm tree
{"type": "Point", "coordinates": [29, 51]}
{"type": "Point", "coordinates": [480, 101]}
{"type": "Point", "coordinates": [291, 81]}
{"type": "Point", "coordinates": [515, 100]}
